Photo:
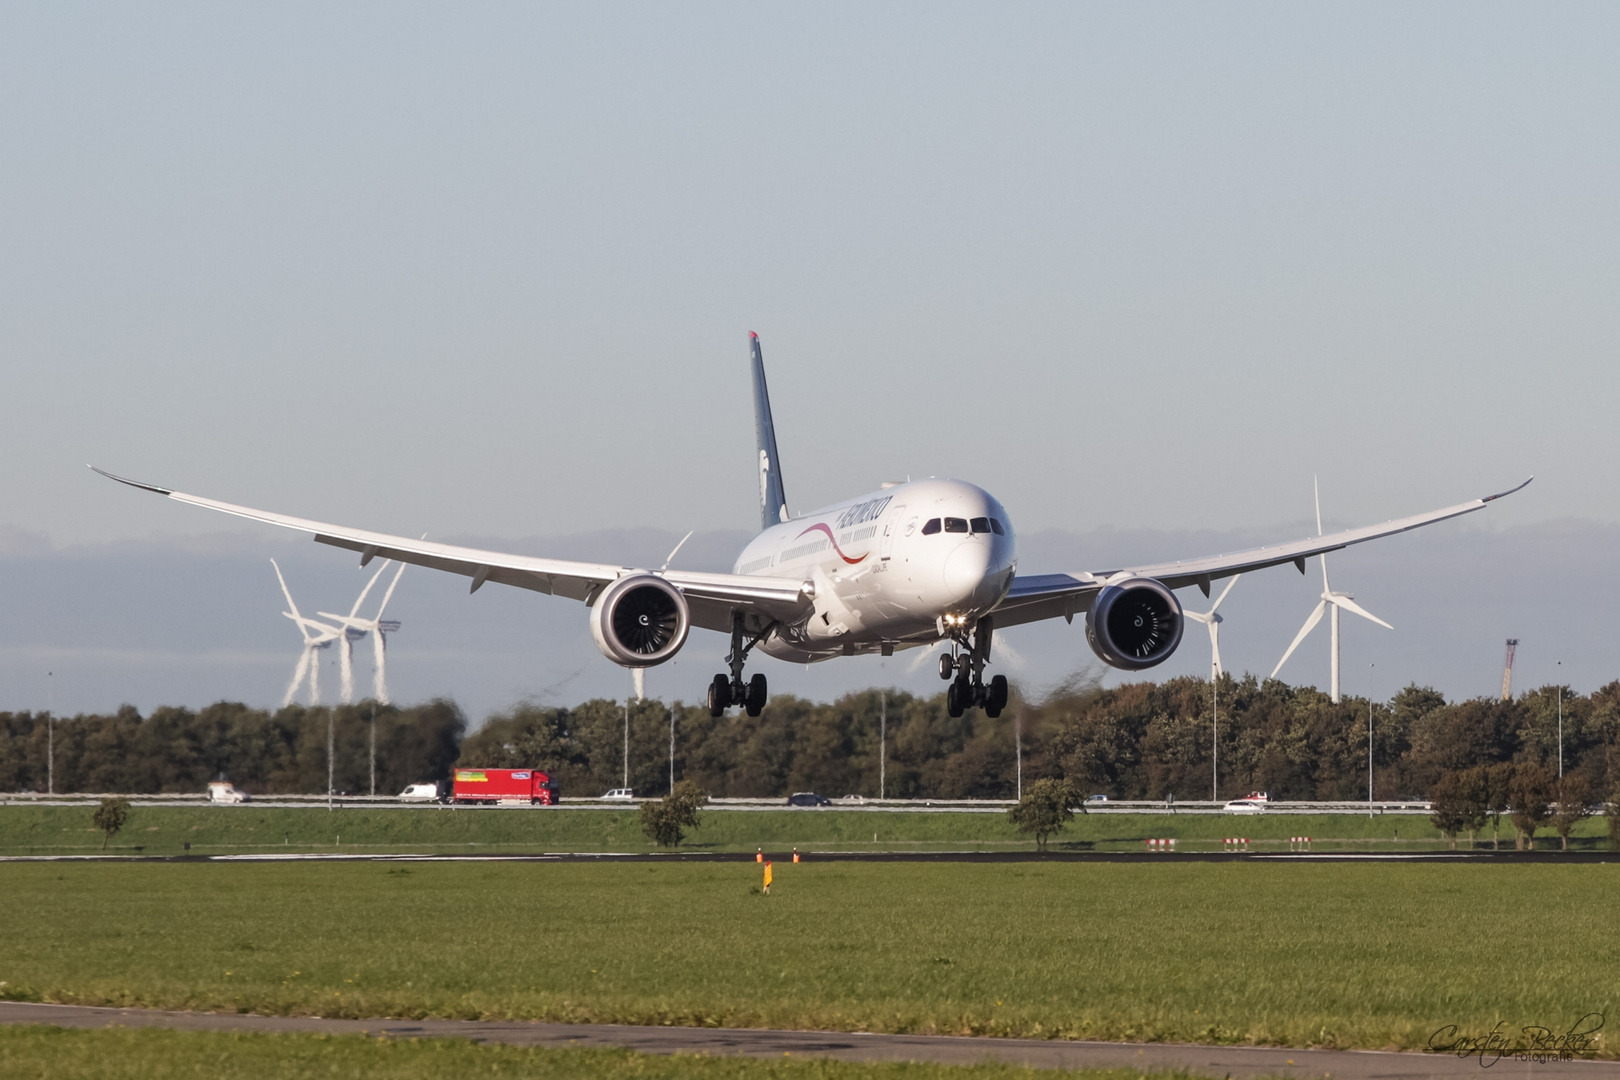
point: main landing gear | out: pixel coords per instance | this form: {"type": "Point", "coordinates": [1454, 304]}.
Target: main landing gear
{"type": "Point", "coordinates": [964, 665]}
{"type": "Point", "coordinates": [726, 691]}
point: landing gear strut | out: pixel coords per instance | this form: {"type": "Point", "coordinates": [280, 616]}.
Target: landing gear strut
{"type": "Point", "coordinates": [726, 691]}
{"type": "Point", "coordinates": [966, 662]}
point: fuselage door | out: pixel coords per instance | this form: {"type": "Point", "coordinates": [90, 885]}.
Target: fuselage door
{"type": "Point", "coordinates": [892, 525]}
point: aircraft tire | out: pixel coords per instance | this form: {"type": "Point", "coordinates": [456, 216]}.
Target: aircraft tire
{"type": "Point", "coordinates": [996, 698]}
{"type": "Point", "coordinates": [955, 704]}
{"type": "Point", "coordinates": [719, 695]}
{"type": "Point", "coordinates": [755, 703]}
{"type": "Point", "coordinates": [947, 666]}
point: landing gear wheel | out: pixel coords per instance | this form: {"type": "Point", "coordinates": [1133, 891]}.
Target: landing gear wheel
{"type": "Point", "coordinates": [995, 698]}
{"type": "Point", "coordinates": [719, 695]}
{"type": "Point", "coordinates": [755, 701]}
{"type": "Point", "coordinates": [955, 700]}
{"type": "Point", "coordinates": [947, 666]}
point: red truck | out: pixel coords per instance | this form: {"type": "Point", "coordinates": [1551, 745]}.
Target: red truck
{"type": "Point", "coordinates": [505, 786]}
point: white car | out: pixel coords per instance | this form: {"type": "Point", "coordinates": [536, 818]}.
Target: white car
{"type": "Point", "coordinates": [428, 792]}
{"type": "Point", "coordinates": [620, 794]}
{"type": "Point", "coordinates": [221, 792]}
{"type": "Point", "coordinates": [1243, 806]}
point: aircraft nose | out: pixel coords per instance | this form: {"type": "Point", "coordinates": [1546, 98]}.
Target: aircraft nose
{"type": "Point", "coordinates": [966, 569]}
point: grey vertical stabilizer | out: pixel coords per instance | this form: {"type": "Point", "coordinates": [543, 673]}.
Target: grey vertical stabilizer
{"type": "Point", "coordinates": [772, 500]}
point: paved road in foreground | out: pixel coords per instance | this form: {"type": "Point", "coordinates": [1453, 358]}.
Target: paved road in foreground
{"type": "Point", "coordinates": [1507, 856]}
{"type": "Point", "coordinates": [1222, 1061]}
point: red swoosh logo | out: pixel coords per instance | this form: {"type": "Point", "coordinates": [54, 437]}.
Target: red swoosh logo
{"type": "Point", "coordinates": [834, 542]}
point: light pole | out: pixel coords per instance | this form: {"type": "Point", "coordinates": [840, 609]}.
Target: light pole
{"type": "Point", "coordinates": [883, 741]}
{"type": "Point", "coordinates": [50, 733]}
{"type": "Point", "coordinates": [374, 748]}
{"type": "Point", "coordinates": [1560, 719]}
{"type": "Point", "coordinates": [1369, 740]}
{"type": "Point", "coordinates": [671, 749]}
{"type": "Point", "coordinates": [626, 742]}
{"type": "Point", "coordinates": [1215, 743]}
{"type": "Point", "coordinates": [331, 748]}
{"type": "Point", "coordinates": [1018, 746]}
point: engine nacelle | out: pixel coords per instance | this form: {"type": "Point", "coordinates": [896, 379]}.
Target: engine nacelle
{"type": "Point", "coordinates": [1134, 624]}
{"type": "Point", "coordinates": [640, 621]}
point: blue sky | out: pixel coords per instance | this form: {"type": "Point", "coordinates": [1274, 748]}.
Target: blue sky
{"type": "Point", "coordinates": [489, 271]}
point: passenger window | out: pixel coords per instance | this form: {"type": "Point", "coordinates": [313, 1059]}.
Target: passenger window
{"type": "Point", "coordinates": [955, 525]}
{"type": "Point", "coordinates": [995, 527]}
{"type": "Point", "coordinates": [980, 525]}
{"type": "Point", "coordinates": [932, 527]}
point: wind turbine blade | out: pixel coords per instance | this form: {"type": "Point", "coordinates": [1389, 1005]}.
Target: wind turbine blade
{"type": "Point", "coordinates": [285, 592]}
{"type": "Point", "coordinates": [362, 597]}
{"type": "Point", "coordinates": [1316, 488]}
{"type": "Point", "coordinates": [639, 677]}
{"type": "Point", "coordinates": [314, 680]}
{"type": "Point", "coordinates": [345, 670]}
{"type": "Point", "coordinates": [1199, 616]}
{"type": "Point", "coordinates": [389, 595]}
{"type": "Point", "coordinates": [298, 676]}
{"type": "Point", "coordinates": [1224, 591]}
{"type": "Point", "coordinates": [379, 652]}
{"type": "Point", "coordinates": [1215, 647]}
{"type": "Point", "coordinates": [677, 547]}
{"type": "Point", "coordinates": [1310, 624]}
{"type": "Point", "coordinates": [1350, 605]}
{"type": "Point", "coordinates": [1015, 659]}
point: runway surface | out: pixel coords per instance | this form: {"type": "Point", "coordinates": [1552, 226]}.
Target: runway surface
{"type": "Point", "coordinates": [1219, 1061]}
{"type": "Point", "coordinates": [1431, 856]}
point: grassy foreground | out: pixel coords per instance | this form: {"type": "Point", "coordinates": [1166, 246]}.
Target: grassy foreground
{"type": "Point", "coordinates": [212, 830]}
{"type": "Point", "coordinates": [124, 1054]}
{"type": "Point", "coordinates": [1349, 955]}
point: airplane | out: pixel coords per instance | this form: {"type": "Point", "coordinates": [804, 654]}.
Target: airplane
{"type": "Point", "coordinates": [911, 565]}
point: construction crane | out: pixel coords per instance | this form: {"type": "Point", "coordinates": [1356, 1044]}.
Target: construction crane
{"type": "Point", "coordinates": [1507, 670]}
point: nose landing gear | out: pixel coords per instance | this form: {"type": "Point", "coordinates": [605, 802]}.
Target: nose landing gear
{"type": "Point", "coordinates": [728, 690]}
{"type": "Point", "coordinates": [968, 689]}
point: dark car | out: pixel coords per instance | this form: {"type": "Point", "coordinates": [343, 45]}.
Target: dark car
{"type": "Point", "coordinates": [808, 798]}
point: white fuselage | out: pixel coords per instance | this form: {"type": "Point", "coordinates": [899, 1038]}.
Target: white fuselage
{"type": "Point", "coordinates": [891, 569]}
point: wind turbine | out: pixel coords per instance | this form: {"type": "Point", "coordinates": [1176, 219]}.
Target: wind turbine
{"type": "Point", "coordinates": [317, 636]}
{"type": "Point", "coordinates": [1335, 601]}
{"type": "Point", "coordinates": [355, 628]}
{"type": "Point", "coordinates": [1213, 621]}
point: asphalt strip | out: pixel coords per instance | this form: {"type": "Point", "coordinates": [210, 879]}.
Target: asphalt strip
{"type": "Point", "coordinates": [1222, 1061]}
{"type": "Point", "coordinates": [1506, 857]}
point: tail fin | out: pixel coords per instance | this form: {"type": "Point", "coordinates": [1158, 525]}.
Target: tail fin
{"type": "Point", "coordinates": [772, 501]}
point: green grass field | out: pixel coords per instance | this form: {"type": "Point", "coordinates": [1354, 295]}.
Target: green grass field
{"type": "Point", "coordinates": [122, 1054]}
{"type": "Point", "coordinates": [166, 830]}
{"type": "Point", "coordinates": [1349, 955]}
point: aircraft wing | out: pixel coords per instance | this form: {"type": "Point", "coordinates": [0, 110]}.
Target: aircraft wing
{"type": "Point", "coordinates": [1048, 596]}
{"type": "Point", "coordinates": [712, 597]}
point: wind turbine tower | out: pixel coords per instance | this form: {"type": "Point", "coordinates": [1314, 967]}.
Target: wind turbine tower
{"type": "Point", "coordinates": [1333, 601]}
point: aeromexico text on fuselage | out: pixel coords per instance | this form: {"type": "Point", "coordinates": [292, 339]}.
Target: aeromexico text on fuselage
{"type": "Point", "coordinates": [887, 565]}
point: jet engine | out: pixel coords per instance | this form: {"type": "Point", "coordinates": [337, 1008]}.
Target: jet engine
{"type": "Point", "coordinates": [640, 621]}
{"type": "Point", "coordinates": [1134, 624]}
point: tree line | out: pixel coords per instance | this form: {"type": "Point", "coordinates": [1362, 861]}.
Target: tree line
{"type": "Point", "coordinates": [1141, 740]}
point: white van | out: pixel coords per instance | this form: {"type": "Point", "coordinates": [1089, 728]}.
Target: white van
{"type": "Point", "coordinates": [428, 792]}
{"type": "Point", "coordinates": [620, 794]}
{"type": "Point", "coordinates": [221, 792]}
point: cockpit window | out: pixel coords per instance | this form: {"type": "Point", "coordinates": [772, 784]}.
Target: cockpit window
{"type": "Point", "coordinates": [931, 527]}
{"type": "Point", "coordinates": [995, 527]}
{"type": "Point", "coordinates": [956, 525]}
{"type": "Point", "coordinates": [980, 525]}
